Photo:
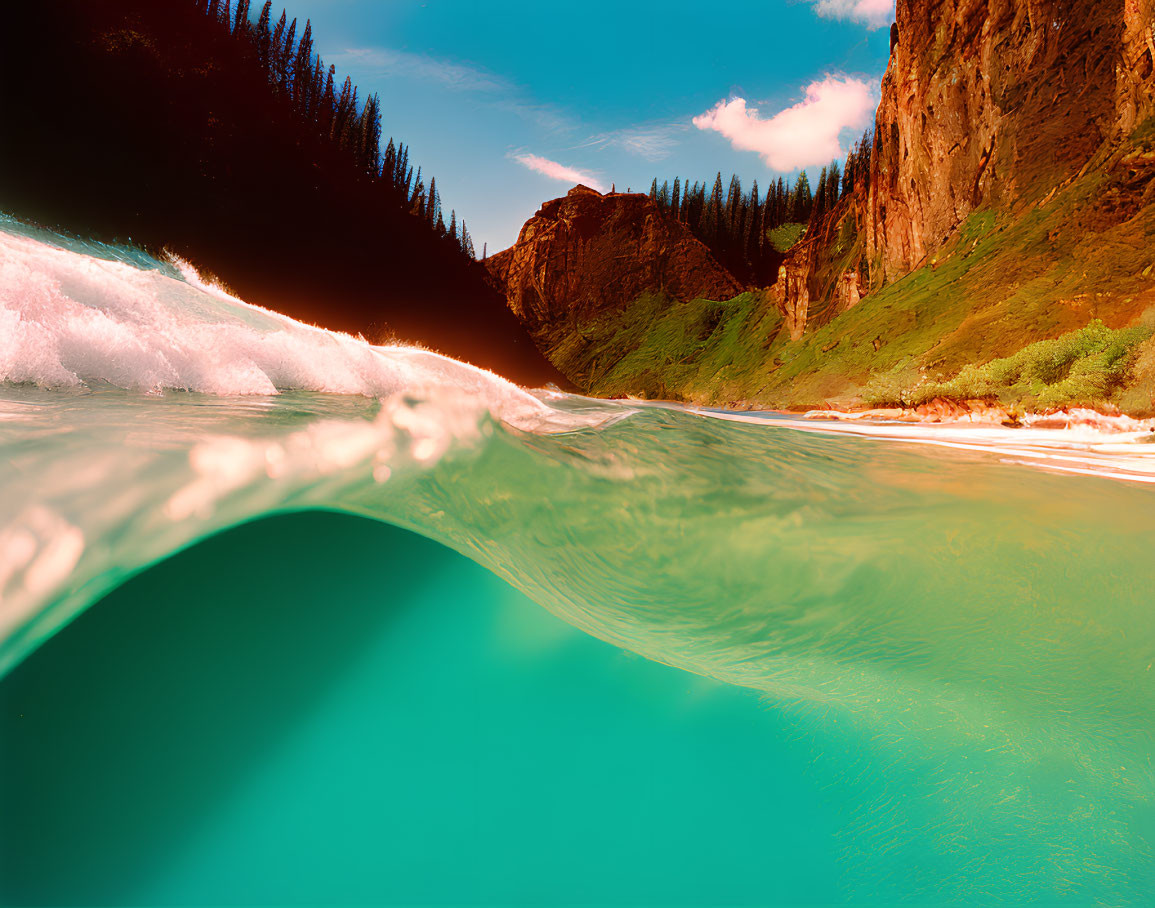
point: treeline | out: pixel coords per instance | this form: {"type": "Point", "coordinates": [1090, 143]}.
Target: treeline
{"type": "Point", "coordinates": [738, 226]}
{"type": "Point", "coordinates": [334, 113]}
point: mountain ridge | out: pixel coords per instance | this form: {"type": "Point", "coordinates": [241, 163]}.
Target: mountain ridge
{"type": "Point", "coordinates": [1010, 200]}
{"type": "Point", "coordinates": [588, 251]}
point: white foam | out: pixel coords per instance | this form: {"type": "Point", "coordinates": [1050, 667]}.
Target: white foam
{"type": "Point", "coordinates": [1083, 442]}
{"type": "Point", "coordinates": [69, 317]}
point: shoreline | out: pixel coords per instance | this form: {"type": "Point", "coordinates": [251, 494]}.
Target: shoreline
{"type": "Point", "coordinates": [941, 411]}
{"type": "Point", "coordinates": [938, 412]}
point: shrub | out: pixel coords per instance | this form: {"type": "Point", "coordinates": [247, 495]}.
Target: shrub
{"type": "Point", "coordinates": [1081, 367]}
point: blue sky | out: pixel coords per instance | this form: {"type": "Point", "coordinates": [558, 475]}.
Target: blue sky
{"type": "Point", "coordinates": [506, 102]}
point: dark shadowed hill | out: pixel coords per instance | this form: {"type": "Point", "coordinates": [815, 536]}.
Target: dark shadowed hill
{"type": "Point", "coordinates": [147, 121]}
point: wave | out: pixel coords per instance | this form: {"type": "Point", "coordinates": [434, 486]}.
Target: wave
{"type": "Point", "coordinates": [366, 705]}
{"type": "Point", "coordinates": [936, 603]}
{"type": "Point", "coordinates": [73, 314]}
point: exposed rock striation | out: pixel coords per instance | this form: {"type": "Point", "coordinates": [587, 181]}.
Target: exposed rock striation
{"type": "Point", "coordinates": [587, 252]}
{"type": "Point", "coordinates": [824, 276]}
{"type": "Point", "coordinates": [1009, 198]}
{"type": "Point", "coordinates": [986, 104]}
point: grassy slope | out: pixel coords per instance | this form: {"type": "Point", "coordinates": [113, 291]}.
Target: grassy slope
{"type": "Point", "coordinates": [1002, 283]}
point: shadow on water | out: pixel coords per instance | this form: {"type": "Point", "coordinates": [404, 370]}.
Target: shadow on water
{"type": "Point", "coordinates": [127, 728]}
{"type": "Point", "coordinates": [318, 709]}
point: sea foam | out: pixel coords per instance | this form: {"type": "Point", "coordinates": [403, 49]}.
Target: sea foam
{"type": "Point", "coordinates": [72, 315]}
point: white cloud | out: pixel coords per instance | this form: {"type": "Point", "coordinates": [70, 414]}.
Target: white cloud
{"type": "Point", "coordinates": [385, 61]}
{"type": "Point", "coordinates": [556, 171]}
{"type": "Point", "coordinates": [653, 143]}
{"type": "Point", "coordinates": [545, 117]}
{"type": "Point", "coordinates": [499, 92]}
{"type": "Point", "coordinates": [804, 135]}
{"type": "Point", "coordinates": [872, 13]}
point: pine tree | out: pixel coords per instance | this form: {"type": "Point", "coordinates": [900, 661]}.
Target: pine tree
{"type": "Point", "coordinates": [349, 138]}
{"type": "Point", "coordinates": [404, 172]}
{"type": "Point", "coordinates": [676, 198]}
{"type": "Point", "coordinates": [733, 197]}
{"type": "Point", "coordinates": [303, 67]}
{"type": "Point", "coordinates": [370, 152]}
{"type": "Point", "coordinates": [803, 199]}
{"type": "Point", "coordinates": [819, 210]}
{"type": "Point", "coordinates": [343, 112]}
{"type": "Point", "coordinates": [285, 62]}
{"type": "Point", "coordinates": [753, 226]}
{"type": "Point", "coordinates": [292, 68]}
{"type": "Point", "coordinates": [417, 199]}
{"type": "Point", "coordinates": [389, 166]}
{"type": "Point", "coordinates": [433, 211]}
{"type": "Point", "coordinates": [264, 36]}
{"type": "Point", "coordinates": [768, 214]}
{"type": "Point", "coordinates": [327, 110]}
{"type": "Point", "coordinates": [316, 86]}
{"type": "Point", "coordinates": [833, 179]}
{"type": "Point", "coordinates": [241, 22]}
{"type": "Point", "coordinates": [277, 48]}
{"type": "Point", "coordinates": [715, 211]}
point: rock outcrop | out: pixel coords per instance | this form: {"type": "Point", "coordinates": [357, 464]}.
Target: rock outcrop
{"type": "Point", "coordinates": [1007, 198]}
{"type": "Point", "coordinates": [824, 275]}
{"type": "Point", "coordinates": [987, 102]}
{"type": "Point", "coordinates": [587, 252]}
{"type": "Point", "coordinates": [792, 292]}
{"type": "Point", "coordinates": [1135, 65]}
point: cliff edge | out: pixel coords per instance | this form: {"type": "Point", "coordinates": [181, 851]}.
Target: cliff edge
{"type": "Point", "coordinates": [586, 253]}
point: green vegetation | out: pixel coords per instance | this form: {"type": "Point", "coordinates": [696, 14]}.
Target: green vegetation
{"type": "Point", "coordinates": [1084, 367]}
{"type": "Point", "coordinates": [784, 237]}
{"type": "Point", "coordinates": [1052, 299]}
{"type": "Point", "coordinates": [1051, 304]}
{"type": "Point", "coordinates": [738, 226]}
{"type": "Point", "coordinates": [659, 348]}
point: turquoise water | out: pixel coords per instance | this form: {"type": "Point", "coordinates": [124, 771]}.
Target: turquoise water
{"type": "Point", "coordinates": [239, 727]}
{"type": "Point", "coordinates": [475, 645]}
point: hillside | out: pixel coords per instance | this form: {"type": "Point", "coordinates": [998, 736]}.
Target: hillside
{"type": "Point", "coordinates": [587, 254]}
{"type": "Point", "coordinates": [1007, 217]}
{"type": "Point", "coordinates": [150, 122]}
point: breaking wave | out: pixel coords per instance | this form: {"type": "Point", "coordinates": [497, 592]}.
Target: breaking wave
{"type": "Point", "coordinates": [980, 628]}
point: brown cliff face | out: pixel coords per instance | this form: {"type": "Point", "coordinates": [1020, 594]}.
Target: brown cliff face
{"type": "Point", "coordinates": [823, 276]}
{"type": "Point", "coordinates": [1135, 65]}
{"type": "Point", "coordinates": [587, 252]}
{"type": "Point", "coordinates": [986, 104]}
{"type": "Point", "coordinates": [989, 102]}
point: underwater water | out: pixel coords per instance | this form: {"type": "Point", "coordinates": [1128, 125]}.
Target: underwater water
{"type": "Point", "coordinates": [288, 618]}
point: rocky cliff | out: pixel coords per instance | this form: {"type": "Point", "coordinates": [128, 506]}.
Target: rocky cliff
{"type": "Point", "coordinates": [1007, 218]}
{"type": "Point", "coordinates": [986, 105]}
{"type": "Point", "coordinates": [989, 102]}
{"type": "Point", "coordinates": [588, 252]}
